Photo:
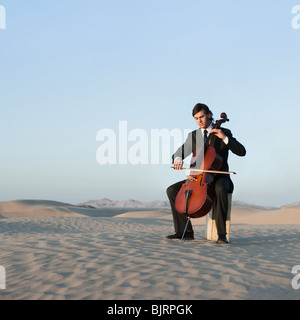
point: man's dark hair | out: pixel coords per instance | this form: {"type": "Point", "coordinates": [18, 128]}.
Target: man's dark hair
{"type": "Point", "coordinates": [201, 106]}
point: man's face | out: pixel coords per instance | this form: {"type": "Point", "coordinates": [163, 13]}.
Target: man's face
{"type": "Point", "coordinates": [202, 119]}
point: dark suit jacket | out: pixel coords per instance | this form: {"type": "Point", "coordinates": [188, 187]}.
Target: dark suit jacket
{"type": "Point", "coordinates": [194, 142]}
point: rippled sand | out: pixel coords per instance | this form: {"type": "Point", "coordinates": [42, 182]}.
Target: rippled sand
{"type": "Point", "coordinates": [129, 258]}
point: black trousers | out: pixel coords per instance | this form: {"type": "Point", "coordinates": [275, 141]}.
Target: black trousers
{"type": "Point", "coordinates": [223, 186]}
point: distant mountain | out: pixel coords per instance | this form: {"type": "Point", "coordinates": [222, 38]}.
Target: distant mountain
{"type": "Point", "coordinates": [295, 205]}
{"type": "Point", "coordinates": [131, 203]}
{"type": "Point", "coordinates": [107, 203]}
{"type": "Point", "coordinates": [252, 206]}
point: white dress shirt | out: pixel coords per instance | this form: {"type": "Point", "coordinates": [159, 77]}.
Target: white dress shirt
{"type": "Point", "coordinates": [208, 129]}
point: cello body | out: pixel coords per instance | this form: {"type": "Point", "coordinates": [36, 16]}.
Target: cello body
{"type": "Point", "coordinates": [196, 196]}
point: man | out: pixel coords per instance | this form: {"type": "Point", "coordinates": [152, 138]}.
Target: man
{"type": "Point", "coordinates": [223, 141]}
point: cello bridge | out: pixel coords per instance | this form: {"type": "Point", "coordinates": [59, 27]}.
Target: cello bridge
{"type": "Point", "coordinates": [192, 178]}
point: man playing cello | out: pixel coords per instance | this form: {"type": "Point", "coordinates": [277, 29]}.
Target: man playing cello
{"type": "Point", "coordinates": [222, 142]}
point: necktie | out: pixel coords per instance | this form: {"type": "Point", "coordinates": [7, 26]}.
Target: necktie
{"type": "Point", "coordinates": [205, 140]}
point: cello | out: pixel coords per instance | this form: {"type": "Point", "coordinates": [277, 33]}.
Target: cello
{"type": "Point", "coordinates": [196, 196]}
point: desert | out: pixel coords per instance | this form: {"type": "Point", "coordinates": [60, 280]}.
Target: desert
{"type": "Point", "coordinates": [52, 250]}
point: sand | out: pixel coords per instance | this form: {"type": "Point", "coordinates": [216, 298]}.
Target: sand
{"type": "Point", "coordinates": [57, 251]}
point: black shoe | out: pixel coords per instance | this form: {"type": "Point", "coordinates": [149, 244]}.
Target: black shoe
{"type": "Point", "coordinates": [222, 239]}
{"type": "Point", "coordinates": [177, 235]}
{"type": "Point", "coordinates": [189, 236]}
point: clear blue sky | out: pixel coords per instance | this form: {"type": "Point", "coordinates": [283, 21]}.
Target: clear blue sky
{"type": "Point", "coordinates": [71, 68]}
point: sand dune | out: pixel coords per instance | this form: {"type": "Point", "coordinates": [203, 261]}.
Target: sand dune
{"type": "Point", "coordinates": [35, 208]}
{"type": "Point", "coordinates": [47, 208]}
{"type": "Point", "coordinates": [289, 214]}
{"type": "Point", "coordinates": [283, 215]}
{"type": "Point", "coordinates": [53, 250]}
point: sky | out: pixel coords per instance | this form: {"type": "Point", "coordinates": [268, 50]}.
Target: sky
{"type": "Point", "coordinates": [77, 77]}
